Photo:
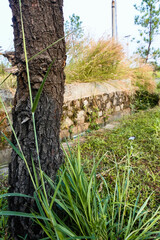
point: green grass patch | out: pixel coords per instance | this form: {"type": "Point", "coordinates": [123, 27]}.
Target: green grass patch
{"type": "Point", "coordinates": [144, 127]}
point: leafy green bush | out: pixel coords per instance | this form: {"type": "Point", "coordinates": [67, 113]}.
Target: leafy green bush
{"type": "Point", "coordinates": [143, 100]}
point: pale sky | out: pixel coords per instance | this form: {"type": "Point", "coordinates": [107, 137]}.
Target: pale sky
{"type": "Point", "coordinates": [95, 15]}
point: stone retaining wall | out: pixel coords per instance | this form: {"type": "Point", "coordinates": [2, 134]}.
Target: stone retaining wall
{"type": "Point", "coordinates": [89, 112]}
{"type": "Point", "coordinates": [86, 105]}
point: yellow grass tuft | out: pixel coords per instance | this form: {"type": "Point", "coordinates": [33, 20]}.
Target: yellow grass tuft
{"type": "Point", "coordinates": [143, 77]}
{"type": "Point", "coordinates": [99, 61]}
{"type": "Point", "coordinates": [105, 60]}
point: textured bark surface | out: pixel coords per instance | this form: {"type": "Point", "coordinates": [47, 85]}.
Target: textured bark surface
{"type": "Point", "coordinates": [43, 24]}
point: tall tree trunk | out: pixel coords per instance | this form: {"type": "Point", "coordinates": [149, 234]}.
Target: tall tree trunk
{"type": "Point", "coordinates": [43, 25]}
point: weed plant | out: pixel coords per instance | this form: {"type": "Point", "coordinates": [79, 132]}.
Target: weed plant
{"type": "Point", "coordinates": [99, 210]}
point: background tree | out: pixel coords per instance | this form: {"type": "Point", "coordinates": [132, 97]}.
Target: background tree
{"type": "Point", "coordinates": [75, 32]}
{"type": "Point", "coordinates": [149, 20]}
{"type": "Point", "coordinates": [43, 25]}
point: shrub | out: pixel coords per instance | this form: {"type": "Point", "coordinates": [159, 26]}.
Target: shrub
{"type": "Point", "coordinates": [143, 100]}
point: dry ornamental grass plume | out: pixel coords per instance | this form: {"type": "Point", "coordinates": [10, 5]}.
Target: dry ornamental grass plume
{"type": "Point", "coordinates": [99, 61]}
{"type": "Point", "coordinates": [105, 60]}
{"type": "Point", "coordinates": [142, 76]}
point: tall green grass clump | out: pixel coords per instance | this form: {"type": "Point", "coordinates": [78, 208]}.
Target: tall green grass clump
{"type": "Point", "coordinates": [99, 61]}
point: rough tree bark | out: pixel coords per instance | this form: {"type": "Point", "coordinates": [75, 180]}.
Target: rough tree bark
{"type": "Point", "coordinates": [43, 24]}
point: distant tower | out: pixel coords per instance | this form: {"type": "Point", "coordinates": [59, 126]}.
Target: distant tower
{"type": "Point", "coordinates": [114, 20]}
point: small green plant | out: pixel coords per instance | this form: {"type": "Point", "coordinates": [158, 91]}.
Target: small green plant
{"type": "Point", "coordinates": [70, 132]}
{"type": "Point", "coordinates": [93, 116]}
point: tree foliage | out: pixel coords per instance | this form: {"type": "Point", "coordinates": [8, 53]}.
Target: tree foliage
{"type": "Point", "coordinates": [75, 33]}
{"type": "Point", "coordinates": [149, 20]}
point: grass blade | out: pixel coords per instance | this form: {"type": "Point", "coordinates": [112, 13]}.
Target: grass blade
{"type": "Point", "coordinates": [21, 214]}
{"type": "Point", "coordinates": [14, 195]}
{"type": "Point", "coordinates": [41, 88]}
{"type": "Point", "coordinates": [51, 45]}
{"type": "Point", "coordinates": [5, 78]}
{"type": "Point", "coordinates": [13, 147]}
{"type": "Point", "coordinates": [3, 120]}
